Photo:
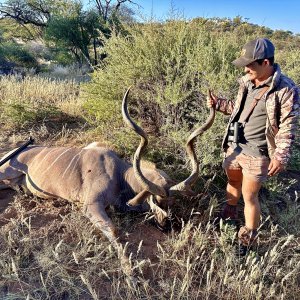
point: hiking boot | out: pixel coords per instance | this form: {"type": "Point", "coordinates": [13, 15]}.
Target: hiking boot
{"type": "Point", "coordinates": [229, 214]}
{"type": "Point", "coordinates": [247, 237]}
{"type": "Point", "coordinates": [247, 240]}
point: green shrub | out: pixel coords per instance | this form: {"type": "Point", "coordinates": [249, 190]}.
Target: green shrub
{"type": "Point", "coordinates": [63, 57]}
{"type": "Point", "coordinates": [289, 61]}
{"type": "Point", "coordinates": [18, 54]}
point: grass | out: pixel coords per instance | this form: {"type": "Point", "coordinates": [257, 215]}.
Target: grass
{"type": "Point", "coordinates": [24, 102]}
{"type": "Point", "coordinates": [48, 251]}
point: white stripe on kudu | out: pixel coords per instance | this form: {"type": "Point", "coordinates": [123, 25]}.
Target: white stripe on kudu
{"type": "Point", "coordinates": [77, 157]}
{"type": "Point", "coordinates": [53, 163]}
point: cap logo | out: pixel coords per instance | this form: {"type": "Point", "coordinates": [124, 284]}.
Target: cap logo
{"type": "Point", "coordinates": [243, 52]}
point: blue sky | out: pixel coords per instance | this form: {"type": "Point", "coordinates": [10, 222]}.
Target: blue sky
{"type": "Point", "coordinates": [284, 14]}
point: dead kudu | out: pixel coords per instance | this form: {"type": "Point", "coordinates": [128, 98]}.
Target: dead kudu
{"type": "Point", "coordinates": [95, 178]}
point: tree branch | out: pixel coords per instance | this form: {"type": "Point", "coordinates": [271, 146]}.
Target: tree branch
{"type": "Point", "coordinates": [22, 14]}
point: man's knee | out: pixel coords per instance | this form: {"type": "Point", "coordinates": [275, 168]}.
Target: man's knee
{"type": "Point", "coordinates": [235, 182]}
{"type": "Point", "coordinates": [250, 196]}
{"type": "Point", "coordinates": [235, 177]}
{"type": "Point", "coordinates": [250, 189]}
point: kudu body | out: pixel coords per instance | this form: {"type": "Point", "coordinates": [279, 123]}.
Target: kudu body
{"type": "Point", "coordinates": [95, 177]}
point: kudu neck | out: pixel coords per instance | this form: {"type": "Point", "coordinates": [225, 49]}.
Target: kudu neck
{"type": "Point", "coordinates": [131, 180]}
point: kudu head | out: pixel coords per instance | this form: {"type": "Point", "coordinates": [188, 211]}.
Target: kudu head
{"type": "Point", "coordinates": [156, 187]}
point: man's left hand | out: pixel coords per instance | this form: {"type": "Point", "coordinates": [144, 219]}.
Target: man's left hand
{"type": "Point", "coordinates": [275, 167]}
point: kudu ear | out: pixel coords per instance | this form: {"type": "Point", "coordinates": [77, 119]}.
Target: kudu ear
{"type": "Point", "coordinates": [155, 208]}
{"type": "Point", "coordinates": [139, 198]}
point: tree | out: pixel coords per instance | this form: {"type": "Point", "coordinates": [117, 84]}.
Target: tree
{"type": "Point", "coordinates": [76, 32]}
{"type": "Point", "coordinates": [66, 24]}
{"type": "Point", "coordinates": [81, 30]}
{"type": "Point", "coordinates": [35, 12]}
{"type": "Point", "coordinates": [33, 15]}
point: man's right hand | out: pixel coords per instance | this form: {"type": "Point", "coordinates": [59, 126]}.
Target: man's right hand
{"type": "Point", "coordinates": [211, 99]}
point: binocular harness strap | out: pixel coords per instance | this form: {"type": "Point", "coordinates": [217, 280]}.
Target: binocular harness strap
{"type": "Point", "coordinates": [254, 103]}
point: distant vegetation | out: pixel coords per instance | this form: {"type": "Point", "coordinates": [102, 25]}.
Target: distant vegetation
{"type": "Point", "coordinates": [69, 67]}
{"type": "Point", "coordinates": [70, 32]}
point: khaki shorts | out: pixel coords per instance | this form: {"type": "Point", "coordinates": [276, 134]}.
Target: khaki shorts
{"type": "Point", "coordinates": [251, 166]}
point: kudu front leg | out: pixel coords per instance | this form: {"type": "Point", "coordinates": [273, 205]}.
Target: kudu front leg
{"type": "Point", "coordinates": [98, 216]}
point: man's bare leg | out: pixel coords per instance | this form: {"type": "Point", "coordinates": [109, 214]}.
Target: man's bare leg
{"type": "Point", "coordinates": [250, 190]}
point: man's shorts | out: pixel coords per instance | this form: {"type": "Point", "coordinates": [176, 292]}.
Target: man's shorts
{"type": "Point", "coordinates": [252, 167]}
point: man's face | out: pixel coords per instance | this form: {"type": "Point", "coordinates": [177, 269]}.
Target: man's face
{"type": "Point", "coordinates": [257, 72]}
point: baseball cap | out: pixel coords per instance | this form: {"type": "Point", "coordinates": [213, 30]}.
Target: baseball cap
{"type": "Point", "coordinates": [260, 48]}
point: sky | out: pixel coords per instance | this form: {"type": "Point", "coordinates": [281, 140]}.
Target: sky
{"type": "Point", "coordinates": [276, 14]}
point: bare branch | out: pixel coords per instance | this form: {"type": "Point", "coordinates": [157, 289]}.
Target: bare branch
{"type": "Point", "coordinates": [22, 13]}
{"type": "Point", "coordinates": [100, 7]}
{"type": "Point", "coordinates": [105, 7]}
{"type": "Point", "coordinates": [124, 1]}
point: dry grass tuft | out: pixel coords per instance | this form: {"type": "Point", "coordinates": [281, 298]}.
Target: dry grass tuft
{"type": "Point", "coordinates": [25, 102]}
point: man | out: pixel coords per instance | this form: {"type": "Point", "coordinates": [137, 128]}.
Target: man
{"type": "Point", "coordinates": [261, 130]}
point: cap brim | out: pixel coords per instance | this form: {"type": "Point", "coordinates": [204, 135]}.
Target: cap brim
{"type": "Point", "coordinates": [243, 62]}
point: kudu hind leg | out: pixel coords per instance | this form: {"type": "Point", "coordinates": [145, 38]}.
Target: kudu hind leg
{"type": "Point", "coordinates": [9, 177]}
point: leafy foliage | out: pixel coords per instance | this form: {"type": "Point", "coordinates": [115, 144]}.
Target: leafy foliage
{"type": "Point", "coordinates": [66, 24]}
{"type": "Point", "coordinates": [75, 32]}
